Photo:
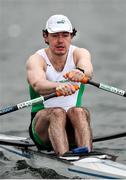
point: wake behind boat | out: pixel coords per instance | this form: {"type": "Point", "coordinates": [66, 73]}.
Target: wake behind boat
{"type": "Point", "coordinates": [83, 165]}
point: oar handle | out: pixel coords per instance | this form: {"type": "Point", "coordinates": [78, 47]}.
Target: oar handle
{"type": "Point", "coordinates": [59, 93]}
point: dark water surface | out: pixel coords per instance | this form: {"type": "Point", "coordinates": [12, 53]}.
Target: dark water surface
{"type": "Point", "coordinates": [101, 26]}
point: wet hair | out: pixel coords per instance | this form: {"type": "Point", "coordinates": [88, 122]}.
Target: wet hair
{"type": "Point", "coordinates": [45, 33]}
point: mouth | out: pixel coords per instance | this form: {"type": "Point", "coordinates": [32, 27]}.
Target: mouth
{"type": "Point", "coordinates": [60, 47]}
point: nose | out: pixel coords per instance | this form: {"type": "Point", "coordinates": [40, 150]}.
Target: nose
{"type": "Point", "coordinates": [60, 38]}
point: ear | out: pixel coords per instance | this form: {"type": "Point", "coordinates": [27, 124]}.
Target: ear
{"type": "Point", "coordinates": [72, 35]}
{"type": "Point", "coordinates": [45, 36]}
{"type": "Point", "coordinates": [46, 39]}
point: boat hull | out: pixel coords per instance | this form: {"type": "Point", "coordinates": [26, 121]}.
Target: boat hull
{"type": "Point", "coordinates": [94, 166]}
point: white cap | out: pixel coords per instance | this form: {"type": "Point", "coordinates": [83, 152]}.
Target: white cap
{"type": "Point", "coordinates": [58, 23]}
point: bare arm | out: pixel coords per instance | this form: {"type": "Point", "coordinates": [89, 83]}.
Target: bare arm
{"type": "Point", "coordinates": [82, 59]}
{"type": "Point", "coordinates": [36, 76]}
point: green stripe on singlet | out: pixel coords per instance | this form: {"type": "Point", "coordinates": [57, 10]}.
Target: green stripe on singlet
{"type": "Point", "coordinates": [80, 94]}
{"type": "Point", "coordinates": [33, 95]}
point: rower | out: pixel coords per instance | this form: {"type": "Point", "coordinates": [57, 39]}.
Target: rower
{"type": "Point", "coordinates": [62, 121]}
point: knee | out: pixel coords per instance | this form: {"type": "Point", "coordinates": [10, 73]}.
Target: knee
{"type": "Point", "coordinates": [76, 110]}
{"type": "Point", "coordinates": [58, 112]}
{"type": "Point", "coordinates": [53, 115]}
{"type": "Point", "coordinates": [79, 111]}
{"type": "Point", "coordinates": [55, 112]}
{"type": "Point", "coordinates": [86, 112]}
{"type": "Point", "coordinates": [58, 116]}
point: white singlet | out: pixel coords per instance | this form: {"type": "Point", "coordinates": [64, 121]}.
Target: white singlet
{"type": "Point", "coordinates": [52, 75]}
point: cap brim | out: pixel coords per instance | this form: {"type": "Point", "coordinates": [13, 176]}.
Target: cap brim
{"type": "Point", "coordinates": [56, 30]}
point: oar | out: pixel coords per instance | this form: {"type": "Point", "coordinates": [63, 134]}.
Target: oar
{"type": "Point", "coordinates": [29, 143]}
{"type": "Point", "coordinates": [85, 80]}
{"type": "Point", "coordinates": [109, 137]}
{"type": "Point", "coordinates": [26, 104]}
{"type": "Point", "coordinates": [111, 89]}
{"type": "Point", "coordinates": [31, 102]}
{"type": "Point", "coordinates": [107, 88]}
{"type": "Point", "coordinates": [19, 143]}
{"type": "Point", "coordinates": [102, 86]}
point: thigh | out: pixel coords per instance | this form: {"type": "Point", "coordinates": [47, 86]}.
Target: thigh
{"type": "Point", "coordinates": [46, 117]}
{"type": "Point", "coordinates": [41, 123]}
{"type": "Point", "coordinates": [50, 115]}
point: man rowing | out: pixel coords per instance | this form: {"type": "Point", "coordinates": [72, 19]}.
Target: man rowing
{"type": "Point", "coordinates": [61, 121]}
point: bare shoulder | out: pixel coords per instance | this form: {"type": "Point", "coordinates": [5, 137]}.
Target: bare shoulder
{"type": "Point", "coordinates": [34, 61]}
{"type": "Point", "coordinates": [81, 54]}
{"type": "Point", "coordinates": [81, 51]}
{"type": "Point", "coordinates": [35, 58]}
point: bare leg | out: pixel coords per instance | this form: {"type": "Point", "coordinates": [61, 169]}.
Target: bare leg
{"type": "Point", "coordinates": [80, 119]}
{"type": "Point", "coordinates": [50, 125]}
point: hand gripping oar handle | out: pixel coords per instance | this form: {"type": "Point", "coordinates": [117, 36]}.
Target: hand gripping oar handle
{"type": "Point", "coordinates": [104, 87]}
{"type": "Point", "coordinates": [31, 102]}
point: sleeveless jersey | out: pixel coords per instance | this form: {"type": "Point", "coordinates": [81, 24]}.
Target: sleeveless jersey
{"type": "Point", "coordinates": [52, 75]}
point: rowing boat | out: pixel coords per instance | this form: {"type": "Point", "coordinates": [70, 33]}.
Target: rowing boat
{"type": "Point", "coordinates": [83, 165]}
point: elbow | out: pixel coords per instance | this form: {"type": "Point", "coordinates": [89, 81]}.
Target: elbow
{"type": "Point", "coordinates": [36, 87]}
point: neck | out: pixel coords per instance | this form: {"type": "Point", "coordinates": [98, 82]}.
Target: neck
{"type": "Point", "coordinates": [58, 61]}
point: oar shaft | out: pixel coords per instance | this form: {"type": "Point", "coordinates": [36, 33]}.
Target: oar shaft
{"type": "Point", "coordinates": [26, 104]}
{"type": "Point", "coordinates": [109, 137]}
{"type": "Point", "coordinates": [33, 101]}
{"type": "Point", "coordinates": [108, 88]}
{"type": "Point", "coordinates": [25, 143]}
{"type": "Point", "coordinates": [86, 80]}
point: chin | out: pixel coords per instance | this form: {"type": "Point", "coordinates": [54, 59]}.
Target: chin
{"type": "Point", "coordinates": [60, 53]}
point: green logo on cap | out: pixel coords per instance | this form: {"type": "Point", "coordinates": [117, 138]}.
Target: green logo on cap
{"type": "Point", "coordinates": [61, 22]}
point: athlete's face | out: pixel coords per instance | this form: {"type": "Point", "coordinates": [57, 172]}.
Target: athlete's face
{"type": "Point", "coordinates": [59, 42]}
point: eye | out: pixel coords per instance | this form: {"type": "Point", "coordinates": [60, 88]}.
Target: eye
{"type": "Point", "coordinates": [54, 35]}
{"type": "Point", "coordinates": [66, 34]}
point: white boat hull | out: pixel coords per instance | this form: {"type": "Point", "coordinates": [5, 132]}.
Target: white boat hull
{"type": "Point", "coordinates": [88, 167]}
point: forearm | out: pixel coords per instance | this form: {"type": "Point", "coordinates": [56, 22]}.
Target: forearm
{"type": "Point", "coordinates": [88, 71]}
{"type": "Point", "coordinates": [83, 61]}
{"type": "Point", "coordinates": [44, 87]}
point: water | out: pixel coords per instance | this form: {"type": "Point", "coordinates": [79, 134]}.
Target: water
{"type": "Point", "coordinates": [101, 29]}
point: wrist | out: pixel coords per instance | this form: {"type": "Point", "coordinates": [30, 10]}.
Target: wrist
{"type": "Point", "coordinates": [82, 70]}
